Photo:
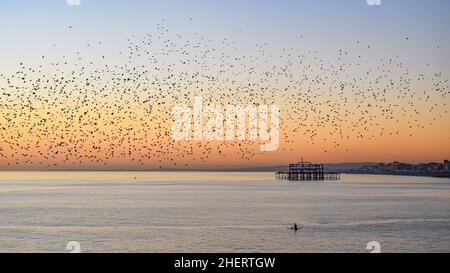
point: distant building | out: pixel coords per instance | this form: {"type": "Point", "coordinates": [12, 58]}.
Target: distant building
{"type": "Point", "coordinates": [431, 167]}
{"type": "Point", "coordinates": [399, 168]}
{"type": "Point", "coordinates": [437, 167]}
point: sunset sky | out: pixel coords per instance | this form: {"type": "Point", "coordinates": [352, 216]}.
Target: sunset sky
{"type": "Point", "coordinates": [92, 86]}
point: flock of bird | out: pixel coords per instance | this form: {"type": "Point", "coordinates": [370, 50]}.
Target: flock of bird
{"type": "Point", "coordinates": [76, 111]}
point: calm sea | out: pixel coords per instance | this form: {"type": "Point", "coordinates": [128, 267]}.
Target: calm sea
{"type": "Point", "coordinates": [220, 212]}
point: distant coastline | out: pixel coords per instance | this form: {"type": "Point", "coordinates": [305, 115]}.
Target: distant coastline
{"type": "Point", "coordinates": [418, 174]}
{"type": "Point", "coordinates": [440, 170]}
{"type": "Point", "coordinates": [431, 169]}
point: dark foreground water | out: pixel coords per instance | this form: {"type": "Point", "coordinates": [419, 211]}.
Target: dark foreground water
{"type": "Point", "coordinates": [221, 212]}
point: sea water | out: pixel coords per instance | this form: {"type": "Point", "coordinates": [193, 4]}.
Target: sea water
{"type": "Point", "coordinates": [220, 212]}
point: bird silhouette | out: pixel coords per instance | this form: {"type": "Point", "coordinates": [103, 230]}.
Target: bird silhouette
{"type": "Point", "coordinates": [87, 110]}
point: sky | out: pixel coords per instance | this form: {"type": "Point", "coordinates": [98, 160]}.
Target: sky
{"type": "Point", "coordinates": [391, 61]}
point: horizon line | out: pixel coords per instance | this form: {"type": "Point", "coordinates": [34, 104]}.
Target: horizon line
{"type": "Point", "coordinates": [198, 169]}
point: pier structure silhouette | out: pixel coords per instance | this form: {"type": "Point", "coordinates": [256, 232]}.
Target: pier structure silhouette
{"type": "Point", "coordinates": [307, 171]}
